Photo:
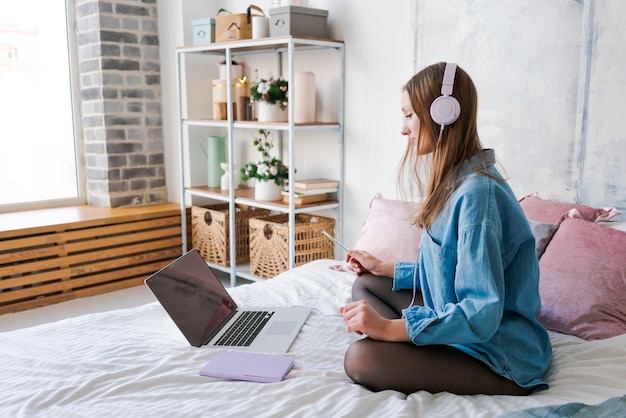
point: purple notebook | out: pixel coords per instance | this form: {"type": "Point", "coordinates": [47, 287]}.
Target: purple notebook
{"type": "Point", "coordinates": [246, 365]}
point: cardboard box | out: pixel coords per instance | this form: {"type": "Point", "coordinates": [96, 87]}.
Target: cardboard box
{"type": "Point", "coordinates": [299, 21]}
{"type": "Point", "coordinates": [235, 26]}
{"type": "Point", "coordinates": [203, 31]}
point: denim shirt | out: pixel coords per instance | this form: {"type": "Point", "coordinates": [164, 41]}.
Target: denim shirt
{"type": "Point", "coordinates": [479, 277]}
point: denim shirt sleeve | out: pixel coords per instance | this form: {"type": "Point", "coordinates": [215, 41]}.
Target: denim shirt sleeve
{"type": "Point", "coordinates": [465, 304]}
{"type": "Point", "coordinates": [404, 275]}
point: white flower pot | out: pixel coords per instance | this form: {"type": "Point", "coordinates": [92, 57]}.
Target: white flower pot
{"type": "Point", "coordinates": [267, 190]}
{"type": "Point", "coordinates": [271, 112]}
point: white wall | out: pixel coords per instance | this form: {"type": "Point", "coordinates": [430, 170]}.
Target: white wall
{"type": "Point", "coordinates": [542, 69]}
{"type": "Point", "coordinates": [551, 88]}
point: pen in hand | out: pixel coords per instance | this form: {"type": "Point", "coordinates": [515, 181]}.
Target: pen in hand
{"type": "Point", "coordinates": [330, 237]}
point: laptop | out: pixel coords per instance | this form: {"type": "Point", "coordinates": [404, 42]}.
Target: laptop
{"type": "Point", "coordinates": [200, 306]}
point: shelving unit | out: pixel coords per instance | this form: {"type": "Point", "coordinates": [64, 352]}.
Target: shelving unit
{"type": "Point", "coordinates": [280, 47]}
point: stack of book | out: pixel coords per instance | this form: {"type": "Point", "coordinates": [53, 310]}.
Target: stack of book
{"type": "Point", "coordinates": [312, 190]}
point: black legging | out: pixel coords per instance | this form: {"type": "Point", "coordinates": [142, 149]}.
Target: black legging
{"type": "Point", "coordinates": [408, 368]}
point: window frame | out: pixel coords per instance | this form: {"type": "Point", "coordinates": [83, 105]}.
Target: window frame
{"type": "Point", "coordinates": [80, 199]}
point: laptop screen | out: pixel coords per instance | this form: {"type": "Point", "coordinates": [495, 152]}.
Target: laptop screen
{"type": "Point", "coordinates": [193, 296]}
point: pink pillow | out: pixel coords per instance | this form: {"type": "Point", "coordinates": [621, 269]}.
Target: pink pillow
{"type": "Point", "coordinates": [549, 211]}
{"type": "Point", "coordinates": [388, 232]}
{"type": "Point", "coordinates": [583, 281]}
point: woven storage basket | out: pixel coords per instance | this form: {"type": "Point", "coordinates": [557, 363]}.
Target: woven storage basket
{"type": "Point", "coordinates": [269, 242]}
{"type": "Point", "coordinates": [210, 232]}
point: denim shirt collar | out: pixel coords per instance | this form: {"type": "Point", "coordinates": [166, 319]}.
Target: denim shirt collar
{"type": "Point", "coordinates": [485, 156]}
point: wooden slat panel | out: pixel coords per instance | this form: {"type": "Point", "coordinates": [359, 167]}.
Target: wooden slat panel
{"type": "Point", "coordinates": [63, 297]}
{"type": "Point", "coordinates": [36, 278]}
{"type": "Point", "coordinates": [171, 235]}
{"type": "Point", "coordinates": [132, 270]}
{"type": "Point", "coordinates": [23, 247]}
{"type": "Point", "coordinates": [137, 258]}
{"type": "Point", "coordinates": [125, 239]}
{"type": "Point", "coordinates": [24, 252]}
{"type": "Point", "coordinates": [53, 220]}
{"type": "Point", "coordinates": [98, 251]}
{"type": "Point", "coordinates": [36, 303]}
{"type": "Point", "coordinates": [84, 262]}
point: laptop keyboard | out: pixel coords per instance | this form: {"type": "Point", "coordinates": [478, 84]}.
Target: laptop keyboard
{"type": "Point", "coordinates": [243, 331]}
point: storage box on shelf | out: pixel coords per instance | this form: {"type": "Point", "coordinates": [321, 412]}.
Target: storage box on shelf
{"type": "Point", "coordinates": [269, 242]}
{"type": "Point", "coordinates": [235, 26]}
{"type": "Point", "coordinates": [203, 31]}
{"type": "Point", "coordinates": [211, 232]}
{"type": "Point", "coordinates": [298, 21]}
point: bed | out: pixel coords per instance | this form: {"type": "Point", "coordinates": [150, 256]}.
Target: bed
{"type": "Point", "coordinates": [135, 362]}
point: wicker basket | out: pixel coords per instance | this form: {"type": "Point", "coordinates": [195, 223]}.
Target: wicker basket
{"type": "Point", "coordinates": [269, 237]}
{"type": "Point", "coordinates": [210, 232]}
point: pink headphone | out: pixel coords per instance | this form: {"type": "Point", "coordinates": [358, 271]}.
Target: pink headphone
{"type": "Point", "coordinates": [445, 109]}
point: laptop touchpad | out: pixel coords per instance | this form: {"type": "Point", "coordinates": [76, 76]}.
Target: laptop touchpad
{"type": "Point", "coordinates": [281, 328]}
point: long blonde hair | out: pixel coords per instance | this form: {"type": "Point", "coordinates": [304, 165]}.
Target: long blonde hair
{"type": "Point", "coordinates": [459, 142]}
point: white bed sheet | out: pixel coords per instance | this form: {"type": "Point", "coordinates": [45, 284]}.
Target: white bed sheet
{"type": "Point", "coordinates": [135, 362]}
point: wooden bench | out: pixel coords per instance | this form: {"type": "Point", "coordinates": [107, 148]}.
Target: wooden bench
{"type": "Point", "coordinates": [52, 255]}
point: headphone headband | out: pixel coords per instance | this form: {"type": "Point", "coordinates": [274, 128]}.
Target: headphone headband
{"type": "Point", "coordinates": [448, 79]}
{"type": "Point", "coordinates": [445, 109]}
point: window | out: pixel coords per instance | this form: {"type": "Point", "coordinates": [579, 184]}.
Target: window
{"type": "Point", "coordinates": [38, 151]}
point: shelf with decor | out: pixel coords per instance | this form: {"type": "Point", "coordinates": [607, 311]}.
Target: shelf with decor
{"type": "Point", "coordinates": [203, 121]}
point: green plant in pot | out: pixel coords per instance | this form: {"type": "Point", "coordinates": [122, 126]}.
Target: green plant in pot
{"type": "Point", "coordinates": [268, 168]}
{"type": "Point", "coordinates": [272, 91]}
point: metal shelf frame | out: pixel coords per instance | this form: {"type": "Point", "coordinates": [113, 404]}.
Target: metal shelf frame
{"type": "Point", "coordinates": [281, 47]}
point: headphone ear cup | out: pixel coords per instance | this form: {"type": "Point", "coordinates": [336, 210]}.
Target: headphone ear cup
{"type": "Point", "coordinates": [445, 110]}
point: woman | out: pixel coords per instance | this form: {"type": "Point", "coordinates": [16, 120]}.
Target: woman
{"type": "Point", "coordinates": [473, 291]}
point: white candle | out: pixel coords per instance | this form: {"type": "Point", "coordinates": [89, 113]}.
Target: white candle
{"type": "Point", "coordinates": [304, 96]}
{"type": "Point", "coordinates": [219, 91]}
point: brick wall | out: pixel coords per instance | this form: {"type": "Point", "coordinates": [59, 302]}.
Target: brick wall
{"type": "Point", "coordinates": [120, 93]}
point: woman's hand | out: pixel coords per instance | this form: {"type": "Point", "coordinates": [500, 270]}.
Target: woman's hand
{"type": "Point", "coordinates": [361, 318]}
{"type": "Point", "coordinates": [363, 262]}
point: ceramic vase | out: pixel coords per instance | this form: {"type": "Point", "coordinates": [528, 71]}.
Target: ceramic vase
{"type": "Point", "coordinates": [267, 190]}
{"type": "Point", "coordinates": [225, 182]}
{"type": "Point", "coordinates": [214, 149]}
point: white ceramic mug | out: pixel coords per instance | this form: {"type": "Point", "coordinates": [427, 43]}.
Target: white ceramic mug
{"type": "Point", "coordinates": [260, 27]}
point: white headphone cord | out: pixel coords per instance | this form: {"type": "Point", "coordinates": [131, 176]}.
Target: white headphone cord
{"type": "Point", "coordinates": [440, 134]}
{"type": "Point", "coordinates": [415, 279]}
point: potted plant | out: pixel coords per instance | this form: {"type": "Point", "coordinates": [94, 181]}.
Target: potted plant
{"type": "Point", "coordinates": [271, 98]}
{"type": "Point", "coordinates": [270, 172]}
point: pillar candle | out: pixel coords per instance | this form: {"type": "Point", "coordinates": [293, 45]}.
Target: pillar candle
{"type": "Point", "coordinates": [304, 96]}
{"type": "Point", "coordinates": [219, 91]}
{"type": "Point", "coordinates": [219, 100]}
{"type": "Point", "coordinates": [241, 98]}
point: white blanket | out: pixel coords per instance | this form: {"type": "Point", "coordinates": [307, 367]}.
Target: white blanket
{"type": "Point", "coordinates": [135, 362]}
